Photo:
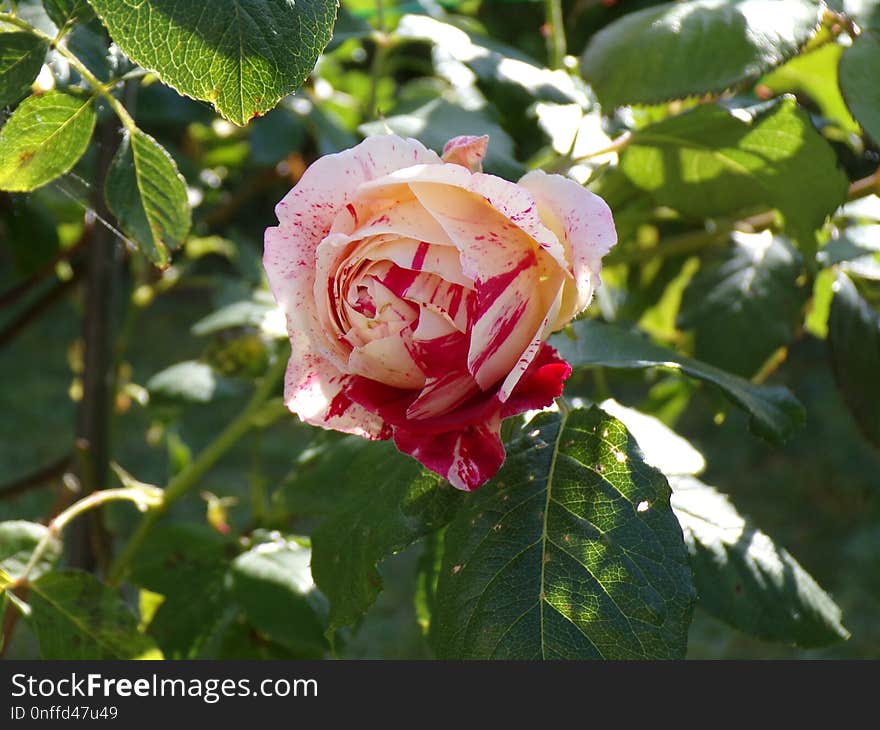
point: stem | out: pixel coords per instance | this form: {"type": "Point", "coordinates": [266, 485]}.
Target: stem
{"type": "Point", "coordinates": [143, 497]}
{"type": "Point", "coordinates": [36, 479]}
{"type": "Point", "coordinates": [376, 67]}
{"type": "Point", "coordinates": [81, 68]}
{"type": "Point", "coordinates": [556, 49]}
{"type": "Point", "coordinates": [89, 541]}
{"type": "Point", "coordinates": [189, 477]}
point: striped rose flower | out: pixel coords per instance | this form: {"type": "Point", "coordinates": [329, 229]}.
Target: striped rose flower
{"type": "Point", "coordinates": [419, 293]}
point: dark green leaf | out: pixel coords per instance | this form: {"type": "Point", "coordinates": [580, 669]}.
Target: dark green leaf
{"type": "Point", "coordinates": [18, 540]}
{"type": "Point", "coordinates": [439, 120]}
{"type": "Point", "coordinates": [43, 139]}
{"type": "Point", "coordinates": [694, 48]}
{"type": "Point", "coordinates": [854, 345]}
{"type": "Point", "coordinates": [744, 303]}
{"type": "Point", "coordinates": [147, 195]}
{"type": "Point", "coordinates": [272, 582]}
{"type": "Point", "coordinates": [375, 502]}
{"type": "Point", "coordinates": [240, 55]}
{"type": "Point", "coordinates": [21, 58]}
{"type": "Point", "coordinates": [746, 580]}
{"type": "Point", "coordinates": [774, 412]}
{"type": "Point", "coordinates": [858, 81]}
{"type": "Point", "coordinates": [708, 163]}
{"type": "Point", "coordinates": [75, 616]}
{"type": "Point", "coordinates": [63, 12]}
{"type": "Point", "coordinates": [571, 552]}
{"type": "Point", "coordinates": [189, 382]}
{"type": "Point", "coordinates": [187, 564]}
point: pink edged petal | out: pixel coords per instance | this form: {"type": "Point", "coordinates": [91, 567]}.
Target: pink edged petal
{"type": "Point", "coordinates": [583, 222]}
{"type": "Point", "coordinates": [467, 458]}
{"type": "Point", "coordinates": [467, 151]}
{"type": "Point", "coordinates": [315, 391]}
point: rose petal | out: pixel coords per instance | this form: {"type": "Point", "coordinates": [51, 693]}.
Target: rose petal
{"type": "Point", "coordinates": [467, 151]}
{"type": "Point", "coordinates": [315, 390]}
{"type": "Point", "coordinates": [306, 214]}
{"type": "Point", "coordinates": [583, 222]}
{"type": "Point", "coordinates": [467, 458]}
{"type": "Point", "coordinates": [540, 385]}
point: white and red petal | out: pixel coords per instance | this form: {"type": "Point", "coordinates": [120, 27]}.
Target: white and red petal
{"type": "Point", "coordinates": [467, 151]}
{"type": "Point", "coordinates": [583, 222]}
{"type": "Point", "coordinates": [314, 389]}
{"type": "Point", "coordinates": [468, 457]}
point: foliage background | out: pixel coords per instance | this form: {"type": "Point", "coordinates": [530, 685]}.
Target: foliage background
{"type": "Point", "coordinates": [816, 495]}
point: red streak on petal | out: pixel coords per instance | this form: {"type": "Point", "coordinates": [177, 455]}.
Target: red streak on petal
{"type": "Point", "coordinates": [351, 209]}
{"type": "Point", "coordinates": [419, 257]}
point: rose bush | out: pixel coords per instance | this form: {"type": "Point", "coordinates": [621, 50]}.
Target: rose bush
{"type": "Point", "coordinates": [419, 293]}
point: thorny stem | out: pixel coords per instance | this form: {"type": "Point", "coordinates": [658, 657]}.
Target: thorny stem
{"type": "Point", "coordinates": [190, 476]}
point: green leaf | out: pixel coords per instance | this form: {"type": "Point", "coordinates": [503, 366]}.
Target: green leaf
{"type": "Point", "coordinates": [746, 580]}
{"type": "Point", "coordinates": [147, 195]}
{"type": "Point", "coordinates": [858, 81]}
{"type": "Point", "coordinates": [63, 12]}
{"type": "Point", "coordinates": [490, 60]}
{"type": "Point", "coordinates": [745, 302]}
{"type": "Point", "coordinates": [815, 75]}
{"type": "Point", "coordinates": [571, 552]}
{"type": "Point", "coordinates": [375, 502]}
{"type": "Point", "coordinates": [187, 564]}
{"type": "Point", "coordinates": [244, 313]}
{"type": "Point", "coordinates": [18, 540]}
{"type": "Point", "coordinates": [708, 162]}
{"type": "Point", "coordinates": [694, 48]}
{"type": "Point", "coordinates": [189, 382]}
{"type": "Point", "coordinates": [774, 412]}
{"type": "Point", "coordinates": [240, 55]}
{"type": "Point", "coordinates": [75, 616]}
{"type": "Point", "coordinates": [437, 121]}
{"type": "Point", "coordinates": [21, 58]}
{"type": "Point", "coordinates": [854, 346]}
{"type": "Point", "coordinates": [272, 582]}
{"type": "Point", "coordinates": [44, 138]}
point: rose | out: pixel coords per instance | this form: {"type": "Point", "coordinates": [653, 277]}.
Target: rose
{"type": "Point", "coordinates": [419, 293]}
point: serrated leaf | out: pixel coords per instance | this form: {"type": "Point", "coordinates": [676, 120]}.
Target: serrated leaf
{"type": "Point", "coordinates": [374, 502]}
{"type": "Point", "coordinates": [273, 583]}
{"type": "Point", "coordinates": [243, 56]}
{"type": "Point", "coordinates": [746, 580]}
{"type": "Point", "coordinates": [858, 81]}
{"type": "Point", "coordinates": [707, 163]}
{"type": "Point", "coordinates": [571, 552]}
{"type": "Point", "coordinates": [439, 120]}
{"type": "Point", "coordinates": [189, 382]}
{"type": "Point", "coordinates": [75, 616]}
{"type": "Point", "coordinates": [774, 411]}
{"type": "Point", "coordinates": [18, 540]}
{"type": "Point", "coordinates": [694, 48]}
{"type": "Point", "coordinates": [744, 303]}
{"type": "Point", "coordinates": [63, 12]}
{"type": "Point", "coordinates": [21, 58]}
{"type": "Point", "coordinates": [854, 347]}
{"type": "Point", "coordinates": [147, 195]}
{"type": "Point", "coordinates": [187, 564]}
{"type": "Point", "coordinates": [45, 136]}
